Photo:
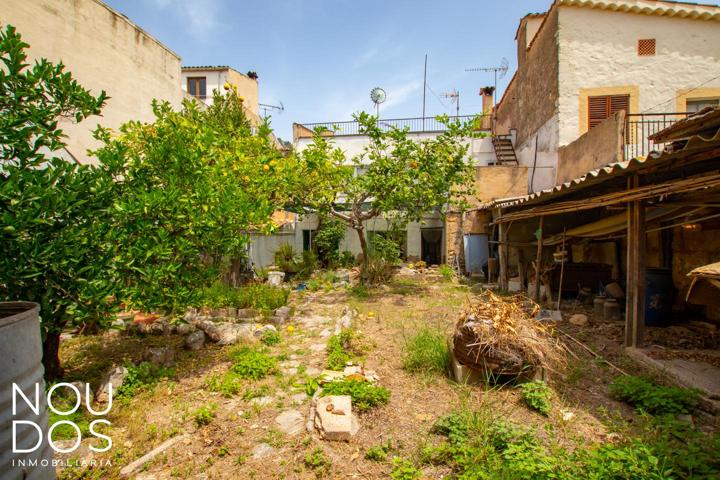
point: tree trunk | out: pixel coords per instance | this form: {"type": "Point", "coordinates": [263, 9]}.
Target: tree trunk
{"type": "Point", "coordinates": [360, 229]}
{"type": "Point", "coordinates": [51, 356]}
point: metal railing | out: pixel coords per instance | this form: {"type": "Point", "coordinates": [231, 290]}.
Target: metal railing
{"type": "Point", "coordinates": [639, 126]}
{"type": "Point", "coordinates": [415, 125]}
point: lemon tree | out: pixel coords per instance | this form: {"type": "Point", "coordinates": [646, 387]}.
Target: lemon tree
{"type": "Point", "coordinates": [402, 179]}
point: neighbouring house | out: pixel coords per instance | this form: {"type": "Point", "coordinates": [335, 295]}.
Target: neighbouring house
{"type": "Point", "coordinates": [436, 239]}
{"type": "Point", "coordinates": [104, 50]}
{"type": "Point", "coordinates": [619, 69]}
{"type": "Point", "coordinates": [200, 82]}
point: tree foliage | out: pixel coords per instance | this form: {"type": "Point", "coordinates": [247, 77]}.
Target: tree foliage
{"type": "Point", "coordinates": [190, 188]}
{"type": "Point", "coordinates": [52, 212]}
{"type": "Point", "coordinates": [402, 179]}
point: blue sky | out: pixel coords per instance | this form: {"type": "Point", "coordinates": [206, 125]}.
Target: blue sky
{"type": "Point", "coordinates": [321, 58]}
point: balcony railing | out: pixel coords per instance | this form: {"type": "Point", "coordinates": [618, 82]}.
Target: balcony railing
{"type": "Point", "coordinates": [641, 125]}
{"type": "Point", "coordinates": [415, 125]}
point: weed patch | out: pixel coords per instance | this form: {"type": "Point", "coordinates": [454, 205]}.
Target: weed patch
{"type": "Point", "coordinates": [205, 415]}
{"type": "Point", "coordinates": [318, 462]}
{"type": "Point", "coordinates": [228, 384]}
{"type": "Point", "coordinates": [343, 348]}
{"type": "Point", "coordinates": [270, 338]}
{"type": "Point", "coordinates": [364, 394]}
{"type": "Point", "coordinates": [427, 352]}
{"type": "Point", "coordinates": [253, 364]}
{"type": "Point", "coordinates": [652, 398]}
{"type": "Point", "coordinates": [537, 396]}
{"type": "Point", "coordinates": [142, 376]}
{"type": "Point", "coordinates": [404, 470]}
{"type": "Point", "coordinates": [379, 453]}
{"type": "Point", "coordinates": [261, 296]}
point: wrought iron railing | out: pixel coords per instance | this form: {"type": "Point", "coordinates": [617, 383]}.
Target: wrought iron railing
{"type": "Point", "coordinates": [639, 126]}
{"type": "Point", "coordinates": [415, 125]}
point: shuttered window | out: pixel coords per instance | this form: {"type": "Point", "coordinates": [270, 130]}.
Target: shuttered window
{"type": "Point", "coordinates": [602, 107]}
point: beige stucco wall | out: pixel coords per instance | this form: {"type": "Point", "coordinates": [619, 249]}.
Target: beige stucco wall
{"type": "Point", "coordinates": [598, 147]}
{"type": "Point", "coordinates": [598, 50]}
{"type": "Point", "coordinates": [104, 51]}
{"type": "Point", "coordinates": [215, 79]}
{"type": "Point", "coordinates": [500, 181]}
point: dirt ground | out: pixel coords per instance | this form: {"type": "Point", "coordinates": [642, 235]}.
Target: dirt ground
{"type": "Point", "coordinates": [583, 412]}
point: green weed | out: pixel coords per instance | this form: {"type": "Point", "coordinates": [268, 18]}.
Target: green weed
{"type": "Point", "coordinates": [652, 398]}
{"type": "Point", "coordinates": [364, 394]}
{"type": "Point", "coordinates": [318, 462]}
{"type": "Point", "coordinates": [270, 338]}
{"type": "Point", "coordinates": [205, 415]}
{"type": "Point", "coordinates": [379, 453]}
{"type": "Point", "coordinates": [228, 384]}
{"type": "Point", "coordinates": [253, 364]}
{"type": "Point", "coordinates": [142, 376]}
{"type": "Point", "coordinates": [404, 470]}
{"type": "Point", "coordinates": [537, 396]}
{"type": "Point", "coordinates": [261, 296]}
{"type": "Point", "coordinates": [427, 352]}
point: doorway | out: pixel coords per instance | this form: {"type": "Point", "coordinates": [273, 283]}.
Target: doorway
{"type": "Point", "coordinates": [431, 245]}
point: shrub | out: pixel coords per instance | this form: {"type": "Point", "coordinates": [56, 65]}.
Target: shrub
{"type": "Point", "coordinates": [318, 462]}
{"type": "Point", "coordinates": [385, 249]}
{"type": "Point", "coordinates": [270, 338]}
{"type": "Point", "coordinates": [143, 375]}
{"type": "Point", "coordinates": [364, 394]}
{"type": "Point", "coordinates": [537, 396]}
{"type": "Point", "coordinates": [205, 415]}
{"type": "Point", "coordinates": [253, 364]}
{"type": "Point", "coordinates": [446, 271]}
{"type": "Point", "coordinates": [259, 295]}
{"type": "Point", "coordinates": [654, 399]}
{"type": "Point", "coordinates": [285, 258]}
{"type": "Point", "coordinates": [427, 352]}
{"type": "Point", "coordinates": [360, 291]}
{"type": "Point", "coordinates": [327, 241]}
{"type": "Point", "coordinates": [345, 259]}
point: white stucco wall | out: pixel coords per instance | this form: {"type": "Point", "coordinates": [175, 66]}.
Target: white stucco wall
{"type": "Point", "coordinates": [598, 48]}
{"type": "Point", "coordinates": [104, 51]}
{"type": "Point", "coordinates": [541, 167]}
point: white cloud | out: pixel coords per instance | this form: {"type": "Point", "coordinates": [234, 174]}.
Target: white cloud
{"type": "Point", "coordinates": [202, 16]}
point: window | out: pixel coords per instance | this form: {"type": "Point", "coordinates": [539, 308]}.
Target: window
{"type": "Point", "coordinates": [694, 106]}
{"type": "Point", "coordinates": [646, 47]}
{"type": "Point", "coordinates": [308, 239]}
{"type": "Point", "coordinates": [196, 86]}
{"type": "Point", "coordinates": [604, 106]}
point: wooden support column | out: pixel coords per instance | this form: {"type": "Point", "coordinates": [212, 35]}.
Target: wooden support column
{"type": "Point", "coordinates": [503, 251]}
{"type": "Point", "coordinates": [538, 260]}
{"type": "Point", "coordinates": [635, 296]}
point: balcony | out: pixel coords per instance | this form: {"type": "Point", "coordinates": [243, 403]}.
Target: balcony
{"type": "Point", "coordinates": [352, 128]}
{"type": "Point", "coordinates": [639, 126]}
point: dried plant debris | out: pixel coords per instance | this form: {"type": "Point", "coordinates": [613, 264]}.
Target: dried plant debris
{"type": "Point", "coordinates": [501, 336]}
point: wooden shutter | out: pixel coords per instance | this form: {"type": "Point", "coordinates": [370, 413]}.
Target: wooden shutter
{"type": "Point", "coordinates": [602, 107]}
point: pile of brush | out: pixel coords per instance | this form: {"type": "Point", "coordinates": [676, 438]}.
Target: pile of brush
{"type": "Point", "coordinates": [500, 336]}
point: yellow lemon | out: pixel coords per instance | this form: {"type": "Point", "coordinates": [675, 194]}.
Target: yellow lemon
{"type": "Point", "coordinates": [266, 167]}
{"type": "Point", "coordinates": [226, 86]}
{"type": "Point", "coordinates": [371, 314]}
{"type": "Point", "coordinates": [290, 329]}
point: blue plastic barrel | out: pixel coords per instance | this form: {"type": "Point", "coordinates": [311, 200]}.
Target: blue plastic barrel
{"type": "Point", "coordinates": [658, 296]}
{"type": "Point", "coordinates": [477, 252]}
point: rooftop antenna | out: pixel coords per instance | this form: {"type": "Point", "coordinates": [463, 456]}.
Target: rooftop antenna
{"type": "Point", "coordinates": [502, 69]}
{"type": "Point", "coordinates": [378, 96]}
{"type": "Point", "coordinates": [269, 108]}
{"type": "Point", "coordinates": [454, 97]}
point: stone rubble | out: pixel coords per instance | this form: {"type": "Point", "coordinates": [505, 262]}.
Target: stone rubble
{"type": "Point", "coordinates": [195, 341]}
{"type": "Point", "coordinates": [114, 378]}
{"type": "Point", "coordinates": [290, 422]}
{"type": "Point", "coordinates": [334, 418]}
{"type": "Point", "coordinates": [159, 356]}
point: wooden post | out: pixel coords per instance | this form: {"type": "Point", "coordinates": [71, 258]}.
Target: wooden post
{"type": "Point", "coordinates": [635, 296]}
{"type": "Point", "coordinates": [503, 252]}
{"type": "Point", "coordinates": [538, 261]}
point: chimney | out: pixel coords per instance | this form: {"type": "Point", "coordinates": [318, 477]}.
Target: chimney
{"type": "Point", "coordinates": [487, 94]}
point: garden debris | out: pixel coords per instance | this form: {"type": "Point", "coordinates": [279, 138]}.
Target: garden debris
{"type": "Point", "coordinates": [160, 356]}
{"type": "Point", "coordinates": [345, 321]}
{"type": "Point", "coordinates": [291, 422]}
{"type": "Point", "coordinates": [501, 336]}
{"type": "Point", "coordinates": [334, 418]}
{"type": "Point", "coordinates": [140, 462]}
{"type": "Point", "coordinates": [226, 333]}
{"type": "Point", "coordinates": [113, 380]}
{"type": "Point", "coordinates": [195, 341]}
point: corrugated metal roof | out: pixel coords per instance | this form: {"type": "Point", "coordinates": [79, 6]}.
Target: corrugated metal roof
{"type": "Point", "coordinates": [706, 119]}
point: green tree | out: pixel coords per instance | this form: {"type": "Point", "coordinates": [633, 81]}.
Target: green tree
{"type": "Point", "coordinates": [52, 233]}
{"type": "Point", "coordinates": [190, 188]}
{"type": "Point", "coordinates": [402, 179]}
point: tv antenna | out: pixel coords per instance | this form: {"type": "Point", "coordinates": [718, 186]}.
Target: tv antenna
{"type": "Point", "coordinates": [502, 69]}
{"type": "Point", "coordinates": [270, 108]}
{"type": "Point", "coordinates": [378, 96]}
{"type": "Point", "coordinates": [454, 97]}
